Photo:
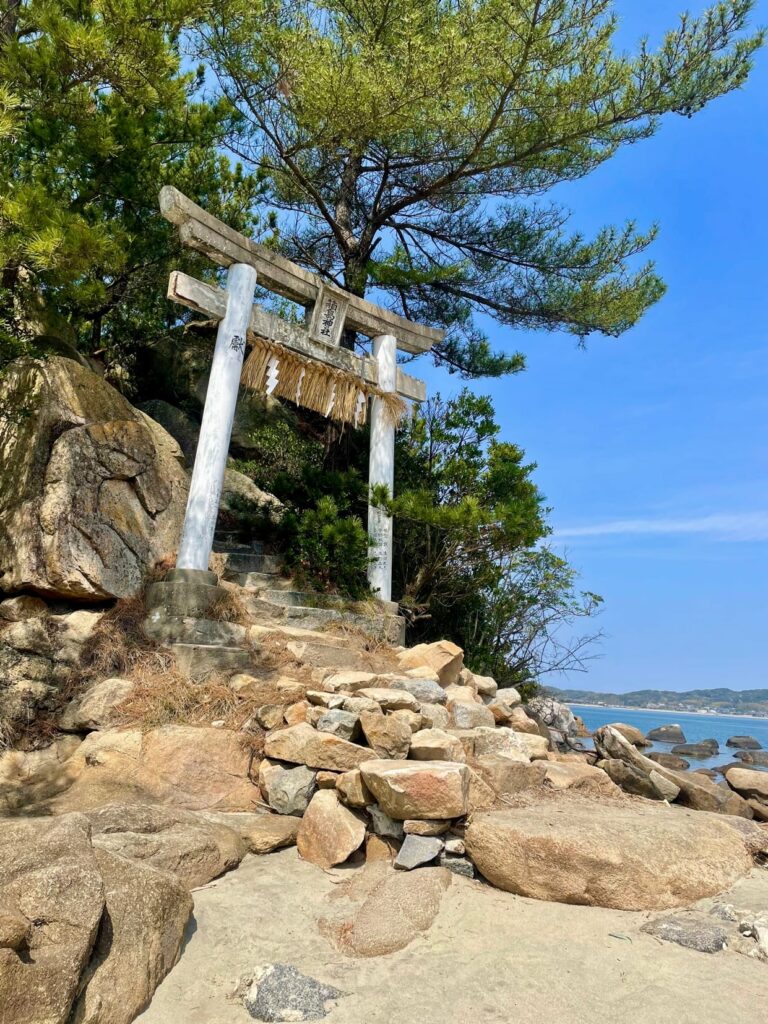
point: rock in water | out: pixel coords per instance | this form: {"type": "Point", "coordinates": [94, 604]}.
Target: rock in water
{"type": "Point", "coordinates": [92, 492]}
{"type": "Point", "coordinates": [744, 743]}
{"type": "Point", "coordinates": [329, 831]}
{"type": "Point", "coordinates": [667, 734]}
{"type": "Point", "coordinates": [677, 764]}
{"type": "Point", "coordinates": [629, 857]}
{"type": "Point", "coordinates": [753, 757]}
{"type": "Point", "coordinates": [278, 992]}
{"type": "Point", "coordinates": [702, 749]}
{"type": "Point", "coordinates": [692, 932]}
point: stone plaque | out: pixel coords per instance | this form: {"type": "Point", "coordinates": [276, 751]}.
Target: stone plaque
{"type": "Point", "coordinates": [327, 318]}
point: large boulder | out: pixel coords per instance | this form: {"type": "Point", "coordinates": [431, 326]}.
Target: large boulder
{"type": "Point", "coordinates": [748, 782]}
{"type": "Point", "coordinates": [51, 879]}
{"type": "Point", "coordinates": [634, 735]}
{"type": "Point", "coordinates": [442, 657]}
{"type": "Point", "coordinates": [625, 856]}
{"type": "Point", "coordinates": [419, 789]}
{"type": "Point", "coordinates": [139, 941]}
{"type": "Point", "coordinates": [744, 743]}
{"type": "Point", "coordinates": [176, 842]}
{"type": "Point", "coordinates": [92, 492]}
{"type": "Point", "coordinates": [557, 717]}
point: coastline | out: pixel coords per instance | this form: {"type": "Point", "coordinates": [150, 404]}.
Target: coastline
{"type": "Point", "coordinates": [665, 711]}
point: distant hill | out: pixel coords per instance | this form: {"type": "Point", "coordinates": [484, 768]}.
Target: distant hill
{"type": "Point", "coordinates": [721, 699]}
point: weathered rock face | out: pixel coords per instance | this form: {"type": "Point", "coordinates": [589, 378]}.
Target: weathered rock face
{"type": "Point", "coordinates": [329, 832]}
{"type": "Point", "coordinates": [418, 789]}
{"type": "Point", "coordinates": [49, 874]}
{"type": "Point", "coordinates": [557, 717]}
{"type": "Point", "coordinates": [138, 943]}
{"type": "Point", "coordinates": [629, 857]}
{"type": "Point", "coordinates": [92, 492]}
{"type": "Point", "coordinates": [183, 766]}
{"type": "Point", "coordinates": [177, 842]}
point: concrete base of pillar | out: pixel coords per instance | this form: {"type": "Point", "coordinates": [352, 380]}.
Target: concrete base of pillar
{"type": "Point", "coordinates": [185, 592]}
{"type": "Point", "coordinates": [178, 616]}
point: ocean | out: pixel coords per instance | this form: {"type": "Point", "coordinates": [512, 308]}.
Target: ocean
{"type": "Point", "coordinates": [695, 727]}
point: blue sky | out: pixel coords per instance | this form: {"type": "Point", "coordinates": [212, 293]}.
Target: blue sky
{"type": "Point", "coordinates": [653, 448]}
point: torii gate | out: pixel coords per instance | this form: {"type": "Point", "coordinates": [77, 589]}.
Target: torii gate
{"type": "Point", "coordinates": [350, 379]}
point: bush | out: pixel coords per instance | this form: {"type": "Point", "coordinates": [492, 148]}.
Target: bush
{"type": "Point", "coordinates": [329, 552]}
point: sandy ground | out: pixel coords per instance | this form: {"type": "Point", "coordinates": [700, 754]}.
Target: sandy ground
{"type": "Point", "coordinates": [489, 958]}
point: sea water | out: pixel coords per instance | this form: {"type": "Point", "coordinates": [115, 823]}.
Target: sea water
{"type": "Point", "coordinates": [696, 727]}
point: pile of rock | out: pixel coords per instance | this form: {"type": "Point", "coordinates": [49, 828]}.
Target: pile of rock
{"type": "Point", "coordinates": [399, 758]}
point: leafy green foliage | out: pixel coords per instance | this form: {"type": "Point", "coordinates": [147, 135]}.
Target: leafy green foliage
{"type": "Point", "coordinates": [407, 144]}
{"type": "Point", "coordinates": [96, 116]}
{"type": "Point", "coordinates": [277, 455]}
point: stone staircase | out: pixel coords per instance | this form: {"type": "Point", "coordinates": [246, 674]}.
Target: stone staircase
{"type": "Point", "coordinates": [181, 610]}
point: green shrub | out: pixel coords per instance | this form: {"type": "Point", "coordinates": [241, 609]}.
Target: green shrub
{"type": "Point", "coordinates": [330, 553]}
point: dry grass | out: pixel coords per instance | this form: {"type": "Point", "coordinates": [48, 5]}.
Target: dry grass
{"type": "Point", "coordinates": [230, 608]}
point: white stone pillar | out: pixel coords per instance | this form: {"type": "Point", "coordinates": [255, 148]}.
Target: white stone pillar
{"type": "Point", "coordinates": [381, 470]}
{"type": "Point", "coordinates": [218, 416]}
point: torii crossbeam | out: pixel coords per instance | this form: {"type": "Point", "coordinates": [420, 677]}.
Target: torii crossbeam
{"type": "Point", "coordinates": [329, 310]}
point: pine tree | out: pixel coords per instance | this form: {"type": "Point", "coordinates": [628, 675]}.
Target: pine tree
{"type": "Point", "coordinates": [95, 116]}
{"type": "Point", "coordinates": [409, 144]}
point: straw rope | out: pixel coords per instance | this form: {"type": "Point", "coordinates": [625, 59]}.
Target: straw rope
{"type": "Point", "coordinates": [333, 393]}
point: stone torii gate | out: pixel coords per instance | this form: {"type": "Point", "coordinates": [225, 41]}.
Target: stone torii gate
{"type": "Point", "coordinates": [309, 353]}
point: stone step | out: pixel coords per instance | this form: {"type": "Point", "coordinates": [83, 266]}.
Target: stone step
{"type": "Point", "coordinates": [239, 562]}
{"type": "Point", "coordinates": [303, 599]}
{"type": "Point", "coordinates": [188, 629]}
{"type": "Point", "coordinates": [200, 660]}
{"type": "Point", "coordinates": [384, 626]}
{"type": "Point", "coordinates": [224, 543]}
{"type": "Point", "coordinates": [260, 581]}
